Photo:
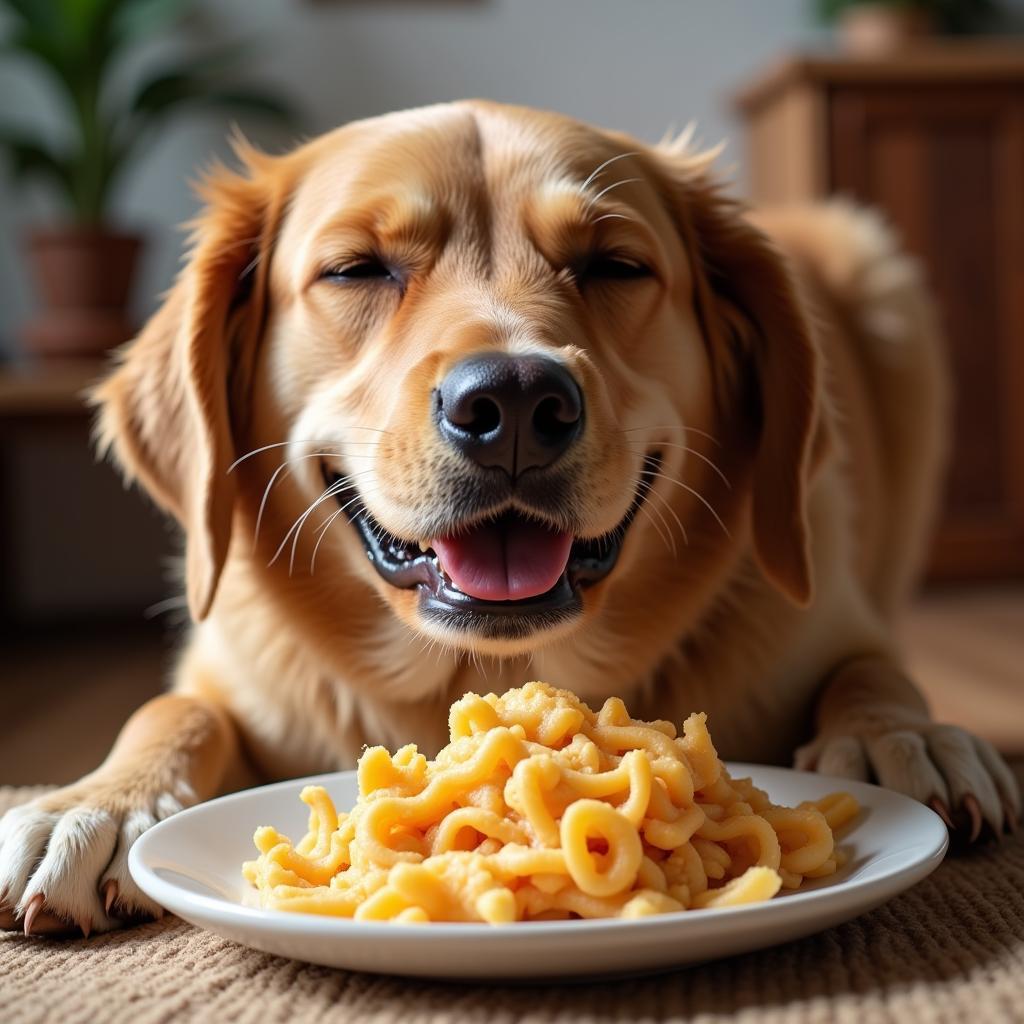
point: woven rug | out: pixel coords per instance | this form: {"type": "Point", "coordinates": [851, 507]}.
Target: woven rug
{"type": "Point", "coordinates": [951, 949]}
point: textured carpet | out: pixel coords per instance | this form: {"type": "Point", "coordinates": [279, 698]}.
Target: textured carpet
{"type": "Point", "coordinates": [951, 949]}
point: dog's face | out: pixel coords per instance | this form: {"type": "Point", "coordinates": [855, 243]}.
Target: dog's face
{"type": "Point", "coordinates": [489, 337]}
{"type": "Point", "coordinates": [516, 374]}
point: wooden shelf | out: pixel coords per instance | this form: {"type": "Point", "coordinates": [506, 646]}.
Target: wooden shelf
{"type": "Point", "coordinates": [970, 62]}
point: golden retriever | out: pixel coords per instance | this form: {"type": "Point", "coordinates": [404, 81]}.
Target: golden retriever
{"type": "Point", "coordinates": [462, 396]}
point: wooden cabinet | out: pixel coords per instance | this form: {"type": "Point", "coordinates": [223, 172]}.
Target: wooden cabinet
{"type": "Point", "coordinates": [936, 139]}
{"type": "Point", "coordinates": [74, 544]}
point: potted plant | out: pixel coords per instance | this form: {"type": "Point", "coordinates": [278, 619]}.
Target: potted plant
{"type": "Point", "coordinates": [877, 27]}
{"type": "Point", "coordinates": [83, 267]}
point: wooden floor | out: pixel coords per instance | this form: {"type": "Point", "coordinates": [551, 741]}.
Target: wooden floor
{"type": "Point", "coordinates": [65, 695]}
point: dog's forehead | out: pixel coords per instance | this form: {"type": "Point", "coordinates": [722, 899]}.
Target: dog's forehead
{"type": "Point", "coordinates": [449, 154]}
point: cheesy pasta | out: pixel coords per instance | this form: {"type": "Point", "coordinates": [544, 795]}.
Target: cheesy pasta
{"type": "Point", "coordinates": [541, 809]}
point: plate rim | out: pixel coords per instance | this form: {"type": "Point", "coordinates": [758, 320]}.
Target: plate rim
{"type": "Point", "coordinates": [143, 866]}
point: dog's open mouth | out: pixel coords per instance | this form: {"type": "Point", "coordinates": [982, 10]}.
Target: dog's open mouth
{"type": "Point", "coordinates": [501, 570]}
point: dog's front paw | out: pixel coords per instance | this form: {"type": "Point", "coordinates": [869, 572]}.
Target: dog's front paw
{"type": "Point", "coordinates": [64, 856]}
{"type": "Point", "coordinates": [960, 776]}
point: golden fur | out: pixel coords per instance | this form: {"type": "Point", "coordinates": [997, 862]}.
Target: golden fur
{"type": "Point", "coordinates": [786, 365]}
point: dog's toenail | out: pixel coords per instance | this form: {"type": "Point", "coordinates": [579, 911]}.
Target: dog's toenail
{"type": "Point", "coordinates": [32, 910]}
{"type": "Point", "coordinates": [939, 807]}
{"type": "Point", "coordinates": [109, 894]}
{"type": "Point", "coordinates": [973, 808]}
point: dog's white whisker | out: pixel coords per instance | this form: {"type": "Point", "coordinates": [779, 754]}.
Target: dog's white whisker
{"type": "Point", "coordinates": [297, 525]}
{"type": "Point", "coordinates": [682, 529]}
{"type": "Point", "coordinates": [710, 463]}
{"type": "Point", "coordinates": [700, 497]}
{"type": "Point", "coordinates": [284, 444]}
{"type": "Point", "coordinates": [612, 216]}
{"type": "Point", "coordinates": [267, 448]}
{"type": "Point", "coordinates": [250, 266]}
{"type": "Point", "coordinates": [692, 451]}
{"type": "Point", "coordinates": [327, 491]}
{"type": "Point", "coordinates": [168, 604]}
{"type": "Point", "coordinates": [665, 539]}
{"type": "Point", "coordinates": [611, 160]}
{"type": "Point", "coordinates": [263, 501]}
{"type": "Point", "coordinates": [674, 426]}
{"type": "Point", "coordinates": [653, 509]}
{"type": "Point", "coordinates": [286, 467]}
{"type": "Point", "coordinates": [322, 532]}
{"type": "Point", "coordinates": [323, 528]}
{"type": "Point", "coordinates": [615, 184]}
{"type": "Point", "coordinates": [341, 484]}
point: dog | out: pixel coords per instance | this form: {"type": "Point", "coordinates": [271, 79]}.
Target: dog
{"type": "Point", "coordinates": [462, 396]}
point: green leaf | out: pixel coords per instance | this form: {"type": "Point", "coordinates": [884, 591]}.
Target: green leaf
{"type": "Point", "coordinates": [38, 14]}
{"type": "Point", "coordinates": [190, 75]}
{"type": "Point", "coordinates": [30, 41]}
{"type": "Point", "coordinates": [140, 19]}
{"type": "Point", "coordinates": [200, 84]}
{"type": "Point", "coordinates": [231, 100]}
{"type": "Point", "coordinates": [242, 100]}
{"type": "Point", "coordinates": [76, 42]}
{"type": "Point", "coordinates": [80, 18]}
{"type": "Point", "coordinates": [30, 156]}
{"type": "Point", "coordinates": [72, 66]}
{"type": "Point", "coordinates": [164, 91]}
{"type": "Point", "coordinates": [167, 93]}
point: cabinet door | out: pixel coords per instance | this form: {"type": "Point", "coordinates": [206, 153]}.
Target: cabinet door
{"type": "Point", "coordinates": [947, 166]}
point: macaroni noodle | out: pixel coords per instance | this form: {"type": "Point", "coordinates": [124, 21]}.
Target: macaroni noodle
{"type": "Point", "coordinates": [540, 809]}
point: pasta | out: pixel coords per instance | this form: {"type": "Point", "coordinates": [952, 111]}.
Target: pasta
{"type": "Point", "coordinates": [540, 809]}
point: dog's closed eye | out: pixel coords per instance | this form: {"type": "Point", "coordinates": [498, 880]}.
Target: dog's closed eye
{"type": "Point", "coordinates": [363, 268]}
{"type": "Point", "coordinates": [611, 267]}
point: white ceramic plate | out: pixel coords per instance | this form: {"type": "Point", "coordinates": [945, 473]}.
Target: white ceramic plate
{"type": "Point", "coordinates": [191, 864]}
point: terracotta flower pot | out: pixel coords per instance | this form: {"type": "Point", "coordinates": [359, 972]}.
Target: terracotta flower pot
{"type": "Point", "coordinates": [83, 277]}
{"type": "Point", "coordinates": [879, 29]}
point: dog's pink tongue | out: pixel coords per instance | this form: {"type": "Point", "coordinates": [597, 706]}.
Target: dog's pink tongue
{"type": "Point", "coordinates": [508, 560]}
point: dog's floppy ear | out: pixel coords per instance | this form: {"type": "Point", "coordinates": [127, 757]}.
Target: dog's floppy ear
{"type": "Point", "coordinates": [751, 315]}
{"type": "Point", "coordinates": [164, 411]}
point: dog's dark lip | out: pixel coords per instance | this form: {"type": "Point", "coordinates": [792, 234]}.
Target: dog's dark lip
{"type": "Point", "coordinates": [405, 566]}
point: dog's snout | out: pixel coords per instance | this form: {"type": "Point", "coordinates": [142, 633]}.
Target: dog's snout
{"type": "Point", "coordinates": [511, 412]}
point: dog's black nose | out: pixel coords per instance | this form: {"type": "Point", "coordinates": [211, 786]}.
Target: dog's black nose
{"type": "Point", "coordinates": [513, 412]}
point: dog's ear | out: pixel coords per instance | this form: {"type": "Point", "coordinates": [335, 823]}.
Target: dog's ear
{"type": "Point", "coordinates": [762, 355]}
{"type": "Point", "coordinates": [164, 412]}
